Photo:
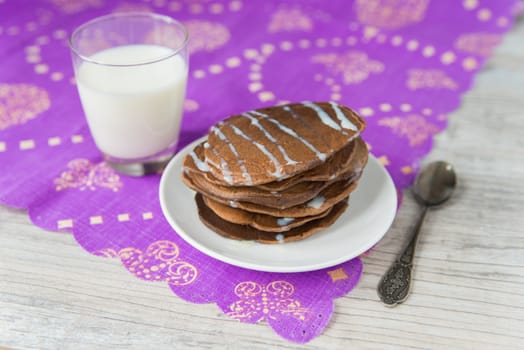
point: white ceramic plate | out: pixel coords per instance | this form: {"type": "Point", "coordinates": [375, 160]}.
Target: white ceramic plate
{"type": "Point", "coordinates": [372, 208]}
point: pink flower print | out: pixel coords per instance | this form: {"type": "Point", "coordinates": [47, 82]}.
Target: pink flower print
{"type": "Point", "coordinates": [84, 175]}
{"type": "Point", "coordinates": [258, 301]}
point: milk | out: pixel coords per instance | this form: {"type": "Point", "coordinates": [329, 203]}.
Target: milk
{"type": "Point", "coordinates": [133, 111]}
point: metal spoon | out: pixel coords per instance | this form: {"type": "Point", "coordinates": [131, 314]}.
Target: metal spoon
{"type": "Point", "coordinates": [433, 186]}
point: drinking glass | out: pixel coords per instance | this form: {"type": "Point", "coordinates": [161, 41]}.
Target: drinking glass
{"type": "Point", "coordinates": [131, 73]}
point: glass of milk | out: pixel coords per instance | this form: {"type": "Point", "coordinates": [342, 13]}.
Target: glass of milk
{"type": "Point", "coordinates": [131, 73]}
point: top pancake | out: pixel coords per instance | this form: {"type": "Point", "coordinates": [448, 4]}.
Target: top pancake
{"type": "Point", "coordinates": [275, 143]}
{"type": "Point", "coordinates": [351, 158]}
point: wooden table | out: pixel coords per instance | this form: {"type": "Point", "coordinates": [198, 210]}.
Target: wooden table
{"type": "Point", "coordinates": [469, 278]}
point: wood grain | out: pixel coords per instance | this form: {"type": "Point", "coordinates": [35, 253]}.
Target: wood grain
{"type": "Point", "coordinates": [469, 279]}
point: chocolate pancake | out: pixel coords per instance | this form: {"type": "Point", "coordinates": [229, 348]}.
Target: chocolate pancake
{"type": "Point", "coordinates": [292, 196]}
{"type": "Point", "coordinates": [261, 222]}
{"type": "Point", "coordinates": [245, 232]}
{"type": "Point", "coordinates": [351, 158]}
{"type": "Point", "coordinates": [324, 200]}
{"type": "Point", "coordinates": [276, 143]}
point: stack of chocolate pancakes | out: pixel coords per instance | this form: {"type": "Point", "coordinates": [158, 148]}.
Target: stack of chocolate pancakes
{"type": "Point", "coordinates": [277, 174]}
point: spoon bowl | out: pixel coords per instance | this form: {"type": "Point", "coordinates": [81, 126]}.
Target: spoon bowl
{"type": "Point", "coordinates": [435, 183]}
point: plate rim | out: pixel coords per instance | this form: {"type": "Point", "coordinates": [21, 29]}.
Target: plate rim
{"type": "Point", "coordinates": [254, 266]}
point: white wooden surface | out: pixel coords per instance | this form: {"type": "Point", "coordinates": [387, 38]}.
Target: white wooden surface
{"type": "Point", "coordinates": [469, 278]}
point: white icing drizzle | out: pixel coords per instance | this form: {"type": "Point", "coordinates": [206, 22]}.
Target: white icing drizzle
{"type": "Point", "coordinates": [324, 117]}
{"type": "Point", "coordinates": [201, 165]}
{"type": "Point", "coordinates": [284, 221]}
{"type": "Point", "coordinates": [240, 162]}
{"type": "Point", "coordinates": [280, 238]}
{"type": "Point", "coordinates": [223, 167]}
{"type": "Point", "coordinates": [344, 121]}
{"type": "Point", "coordinates": [316, 202]}
{"type": "Point", "coordinates": [233, 204]}
{"type": "Point", "coordinates": [268, 135]}
{"type": "Point", "coordinates": [320, 155]}
{"type": "Point", "coordinates": [263, 149]}
{"type": "Point", "coordinates": [308, 126]}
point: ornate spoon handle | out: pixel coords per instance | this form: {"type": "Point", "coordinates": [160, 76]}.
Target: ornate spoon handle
{"type": "Point", "coordinates": [395, 285]}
